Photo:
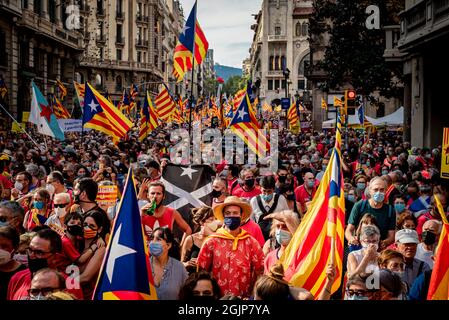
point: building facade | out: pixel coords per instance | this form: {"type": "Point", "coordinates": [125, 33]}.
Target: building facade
{"type": "Point", "coordinates": [424, 30]}
{"type": "Point", "coordinates": [280, 43]}
{"type": "Point", "coordinates": [35, 44]}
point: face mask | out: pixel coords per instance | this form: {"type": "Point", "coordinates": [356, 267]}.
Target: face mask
{"type": "Point", "coordinates": [89, 233]}
{"type": "Point", "coordinates": [232, 222]}
{"type": "Point", "coordinates": [351, 198]}
{"type": "Point", "coordinates": [18, 186]}
{"type": "Point", "coordinates": [39, 205]}
{"type": "Point", "coordinates": [249, 183]}
{"type": "Point", "coordinates": [323, 168]}
{"type": "Point", "coordinates": [117, 163]}
{"type": "Point", "coordinates": [37, 264]}
{"type": "Point", "coordinates": [267, 197]}
{"type": "Point", "coordinates": [361, 186]}
{"type": "Point", "coordinates": [216, 193]}
{"type": "Point", "coordinates": [428, 237]}
{"type": "Point", "coordinates": [310, 184]}
{"type": "Point", "coordinates": [21, 258]}
{"type": "Point", "coordinates": [368, 163]}
{"type": "Point", "coordinates": [399, 207]}
{"type": "Point", "coordinates": [378, 197]}
{"type": "Point", "coordinates": [75, 230]}
{"type": "Point", "coordinates": [355, 297]}
{"type": "Point", "coordinates": [365, 245]}
{"type": "Point", "coordinates": [5, 257]}
{"type": "Point", "coordinates": [283, 237]}
{"type": "Point", "coordinates": [156, 249]}
{"type": "Point", "coordinates": [50, 188]}
{"type": "Point", "coordinates": [384, 172]}
{"type": "Point", "coordinates": [38, 297]}
{"type": "Point", "coordinates": [282, 179]}
{"type": "Point", "coordinates": [60, 212]}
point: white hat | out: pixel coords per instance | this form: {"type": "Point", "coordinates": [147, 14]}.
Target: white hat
{"type": "Point", "coordinates": [406, 236]}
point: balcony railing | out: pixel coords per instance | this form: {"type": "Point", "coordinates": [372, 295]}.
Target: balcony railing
{"type": "Point", "coordinates": [120, 40]}
{"type": "Point", "coordinates": [141, 43]}
{"type": "Point", "coordinates": [120, 15]}
{"type": "Point", "coordinates": [277, 38]}
{"type": "Point", "coordinates": [101, 39]}
{"type": "Point", "coordinates": [275, 73]}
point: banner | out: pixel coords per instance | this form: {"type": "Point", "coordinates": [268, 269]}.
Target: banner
{"type": "Point", "coordinates": [445, 155]}
{"type": "Point", "coordinates": [107, 196]}
{"type": "Point", "coordinates": [71, 125]}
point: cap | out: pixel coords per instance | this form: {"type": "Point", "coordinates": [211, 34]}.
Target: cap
{"type": "Point", "coordinates": [406, 236]}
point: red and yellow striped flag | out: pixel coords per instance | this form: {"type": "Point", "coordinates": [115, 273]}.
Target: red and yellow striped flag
{"type": "Point", "coordinates": [439, 281]}
{"type": "Point", "coordinates": [164, 104]}
{"type": "Point", "coordinates": [292, 115]}
{"type": "Point", "coordinates": [80, 92]}
{"type": "Point", "coordinates": [148, 121]}
{"type": "Point", "coordinates": [58, 109]}
{"type": "Point", "coordinates": [318, 241]}
{"type": "Point", "coordinates": [62, 89]}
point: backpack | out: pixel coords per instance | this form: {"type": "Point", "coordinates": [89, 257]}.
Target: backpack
{"type": "Point", "coordinates": [265, 225]}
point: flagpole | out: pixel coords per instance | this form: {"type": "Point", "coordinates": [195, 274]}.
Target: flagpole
{"type": "Point", "coordinates": [193, 76]}
{"type": "Point", "coordinates": [18, 124]}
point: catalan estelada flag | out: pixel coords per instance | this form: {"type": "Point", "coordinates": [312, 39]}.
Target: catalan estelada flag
{"type": "Point", "coordinates": [318, 240]}
{"type": "Point", "coordinates": [439, 281]}
{"type": "Point", "coordinates": [101, 115]}
{"type": "Point", "coordinates": [245, 126]}
{"type": "Point", "coordinates": [58, 109]}
{"type": "Point", "coordinates": [62, 90]}
{"type": "Point", "coordinates": [165, 105]}
{"type": "Point", "coordinates": [126, 273]}
{"type": "Point", "coordinates": [148, 119]}
{"type": "Point", "coordinates": [191, 42]}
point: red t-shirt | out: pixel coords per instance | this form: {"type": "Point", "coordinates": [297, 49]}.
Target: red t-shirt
{"type": "Point", "coordinates": [7, 184]}
{"type": "Point", "coordinates": [254, 230]}
{"type": "Point", "coordinates": [166, 220]}
{"type": "Point", "coordinates": [247, 195]}
{"type": "Point", "coordinates": [270, 260]}
{"type": "Point", "coordinates": [68, 249]}
{"type": "Point", "coordinates": [302, 196]}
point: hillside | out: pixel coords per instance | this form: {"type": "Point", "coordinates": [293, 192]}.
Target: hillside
{"type": "Point", "coordinates": [227, 72]}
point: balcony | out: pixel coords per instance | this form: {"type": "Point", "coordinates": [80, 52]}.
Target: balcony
{"type": "Point", "coordinates": [119, 15]}
{"type": "Point", "coordinates": [142, 19]}
{"type": "Point", "coordinates": [11, 6]}
{"type": "Point", "coordinates": [120, 41]}
{"type": "Point", "coordinates": [277, 38]}
{"type": "Point", "coordinates": [101, 39]}
{"type": "Point", "coordinates": [141, 43]}
{"type": "Point", "coordinates": [275, 73]}
{"type": "Point", "coordinates": [423, 22]}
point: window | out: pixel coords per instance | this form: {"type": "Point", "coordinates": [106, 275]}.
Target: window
{"type": "Point", "coordinates": [278, 63]}
{"type": "Point", "coordinates": [139, 9]}
{"type": "Point", "coordinates": [100, 6]}
{"type": "Point", "coordinates": [101, 53]}
{"type": "Point", "coordinates": [52, 10]}
{"type": "Point", "coordinates": [3, 55]}
{"type": "Point", "coordinates": [156, 26]}
{"type": "Point", "coordinates": [156, 60]}
{"type": "Point", "coordinates": [24, 4]}
{"type": "Point", "coordinates": [119, 33]}
{"type": "Point", "coordinates": [37, 6]}
{"type": "Point", "coordinates": [155, 43]}
{"type": "Point", "coordinates": [283, 84]}
{"type": "Point", "coordinates": [24, 53]}
{"type": "Point", "coordinates": [139, 56]}
{"type": "Point", "coordinates": [144, 57]}
{"type": "Point", "coordinates": [276, 84]}
{"type": "Point", "coordinates": [163, 66]}
{"type": "Point", "coordinates": [301, 67]}
{"type": "Point", "coordinates": [283, 63]}
{"type": "Point", "coordinates": [298, 29]}
{"type": "Point", "coordinates": [119, 54]}
{"type": "Point", "coordinates": [118, 83]}
{"type": "Point", "coordinates": [305, 29]}
{"type": "Point", "coordinates": [301, 84]}
{"type": "Point", "coordinates": [79, 77]}
{"type": "Point", "coordinates": [270, 85]}
{"type": "Point", "coordinates": [119, 6]}
{"type": "Point", "coordinates": [51, 68]}
{"type": "Point", "coordinates": [271, 64]}
{"type": "Point", "coordinates": [100, 30]}
{"type": "Point", "coordinates": [98, 80]}
{"type": "Point", "coordinates": [277, 31]}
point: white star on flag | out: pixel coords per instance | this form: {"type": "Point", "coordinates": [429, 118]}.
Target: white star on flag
{"type": "Point", "coordinates": [242, 114]}
{"type": "Point", "coordinates": [188, 171]}
{"type": "Point", "coordinates": [185, 29]}
{"type": "Point", "coordinates": [117, 251]}
{"type": "Point", "coordinates": [93, 106]}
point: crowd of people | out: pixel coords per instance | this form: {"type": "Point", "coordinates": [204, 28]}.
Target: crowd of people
{"type": "Point", "coordinates": [51, 223]}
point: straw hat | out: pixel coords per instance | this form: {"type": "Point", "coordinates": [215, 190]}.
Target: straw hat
{"type": "Point", "coordinates": [233, 201]}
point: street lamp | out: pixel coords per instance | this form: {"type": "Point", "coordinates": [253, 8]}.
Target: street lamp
{"type": "Point", "coordinates": [286, 73]}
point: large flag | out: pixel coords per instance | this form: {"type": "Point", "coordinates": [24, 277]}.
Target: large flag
{"type": "Point", "coordinates": [192, 41]}
{"type": "Point", "coordinates": [62, 90]}
{"type": "Point", "coordinates": [134, 92]}
{"type": "Point", "coordinates": [80, 93]}
{"type": "Point", "coordinates": [439, 281]}
{"type": "Point", "coordinates": [42, 115]}
{"type": "Point", "coordinates": [318, 241]}
{"type": "Point", "coordinates": [323, 104]}
{"type": "Point", "coordinates": [164, 104]}
{"type": "Point", "coordinates": [58, 109]}
{"type": "Point", "coordinates": [148, 121]}
{"type": "Point", "coordinates": [187, 187]}
{"type": "Point", "coordinates": [246, 127]}
{"type": "Point", "coordinates": [292, 115]}
{"type": "Point", "coordinates": [126, 273]}
{"type": "Point", "coordinates": [100, 114]}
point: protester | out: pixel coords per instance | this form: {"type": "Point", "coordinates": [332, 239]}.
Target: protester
{"type": "Point", "coordinates": [365, 259]}
{"type": "Point", "coordinates": [38, 215]}
{"type": "Point", "coordinates": [200, 286]}
{"type": "Point", "coordinates": [429, 240]}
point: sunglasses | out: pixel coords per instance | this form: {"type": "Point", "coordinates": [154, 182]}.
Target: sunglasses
{"type": "Point", "coordinates": [42, 291]}
{"type": "Point", "coordinates": [61, 205]}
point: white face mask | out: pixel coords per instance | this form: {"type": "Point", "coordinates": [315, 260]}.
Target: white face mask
{"type": "Point", "coordinates": [50, 188]}
{"type": "Point", "coordinates": [18, 186]}
{"type": "Point", "coordinates": [60, 212]}
{"type": "Point", "coordinates": [5, 257]}
{"type": "Point", "coordinates": [21, 258]}
{"type": "Point", "coordinates": [117, 163]}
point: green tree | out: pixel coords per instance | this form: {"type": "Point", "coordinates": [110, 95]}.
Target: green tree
{"type": "Point", "coordinates": [210, 86]}
{"type": "Point", "coordinates": [234, 84]}
{"type": "Point", "coordinates": [355, 54]}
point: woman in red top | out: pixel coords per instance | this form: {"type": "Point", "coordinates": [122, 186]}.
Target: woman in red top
{"type": "Point", "coordinates": [40, 211]}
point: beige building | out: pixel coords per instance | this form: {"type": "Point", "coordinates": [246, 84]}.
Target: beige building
{"type": "Point", "coordinates": [129, 42]}
{"type": "Point", "coordinates": [35, 44]}
{"type": "Point", "coordinates": [280, 39]}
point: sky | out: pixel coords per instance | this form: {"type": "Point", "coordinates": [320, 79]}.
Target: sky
{"type": "Point", "coordinates": [227, 26]}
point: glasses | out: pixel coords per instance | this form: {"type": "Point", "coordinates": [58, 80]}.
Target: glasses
{"type": "Point", "coordinates": [358, 293]}
{"type": "Point", "coordinates": [42, 291]}
{"type": "Point", "coordinates": [61, 205]}
{"type": "Point", "coordinates": [36, 252]}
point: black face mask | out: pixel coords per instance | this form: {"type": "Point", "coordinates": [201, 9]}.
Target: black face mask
{"type": "Point", "coordinates": [429, 237]}
{"type": "Point", "coordinates": [216, 193]}
{"type": "Point", "coordinates": [37, 264]}
{"type": "Point", "coordinates": [282, 179]}
{"type": "Point", "coordinates": [250, 183]}
{"type": "Point", "coordinates": [75, 230]}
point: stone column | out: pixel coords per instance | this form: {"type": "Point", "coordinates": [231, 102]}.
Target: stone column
{"type": "Point", "coordinates": [58, 13]}
{"type": "Point", "coordinates": [45, 9]}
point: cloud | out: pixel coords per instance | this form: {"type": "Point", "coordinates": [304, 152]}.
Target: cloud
{"type": "Point", "coordinates": [226, 24]}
